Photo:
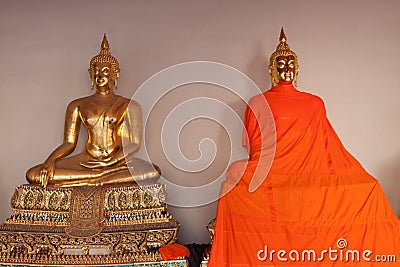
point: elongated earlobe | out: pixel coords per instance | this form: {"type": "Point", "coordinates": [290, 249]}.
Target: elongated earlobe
{"type": "Point", "coordinates": [116, 79]}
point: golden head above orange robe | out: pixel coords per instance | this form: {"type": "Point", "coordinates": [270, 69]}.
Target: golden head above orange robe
{"type": "Point", "coordinates": [316, 196]}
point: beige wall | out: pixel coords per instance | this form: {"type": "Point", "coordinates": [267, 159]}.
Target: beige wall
{"type": "Point", "coordinates": [348, 50]}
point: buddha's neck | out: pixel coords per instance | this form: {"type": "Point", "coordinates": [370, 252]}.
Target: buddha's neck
{"type": "Point", "coordinates": [284, 83]}
{"type": "Point", "coordinates": [104, 93]}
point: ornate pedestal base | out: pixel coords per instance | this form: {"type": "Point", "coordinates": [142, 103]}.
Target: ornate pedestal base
{"type": "Point", "coordinates": [108, 225]}
{"type": "Point", "coordinates": [170, 263]}
{"type": "Point", "coordinates": [210, 227]}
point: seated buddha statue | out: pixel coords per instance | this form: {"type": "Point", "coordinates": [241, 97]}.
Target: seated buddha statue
{"type": "Point", "coordinates": [108, 122]}
{"type": "Point", "coordinates": [313, 197]}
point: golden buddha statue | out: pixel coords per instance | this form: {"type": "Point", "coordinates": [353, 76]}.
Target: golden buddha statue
{"type": "Point", "coordinates": [108, 121]}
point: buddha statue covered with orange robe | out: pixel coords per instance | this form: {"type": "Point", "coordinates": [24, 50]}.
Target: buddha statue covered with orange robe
{"type": "Point", "coordinates": [300, 199]}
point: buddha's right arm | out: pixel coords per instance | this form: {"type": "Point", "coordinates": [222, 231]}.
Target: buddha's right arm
{"type": "Point", "coordinates": [63, 150]}
{"type": "Point", "coordinates": [47, 169]}
{"type": "Point", "coordinates": [71, 132]}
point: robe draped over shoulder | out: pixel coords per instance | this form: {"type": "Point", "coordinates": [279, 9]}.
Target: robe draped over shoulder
{"type": "Point", "coordinates": [315, 197]}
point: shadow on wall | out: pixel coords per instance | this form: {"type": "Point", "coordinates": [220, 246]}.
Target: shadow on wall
{"type": "Point", "coordinates": [389, 174]}
{"type": "Point", "coordinates": [258, 67]}
{"type": "Point", "coordinates": [5, 208]}
{"type": "Point", "coordinates": [194, 225]}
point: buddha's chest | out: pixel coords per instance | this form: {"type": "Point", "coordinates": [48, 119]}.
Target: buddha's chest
{"type": "Point", "coordinates": [101, 122]}
{"type": "Point", "coordinates": [102, 119]}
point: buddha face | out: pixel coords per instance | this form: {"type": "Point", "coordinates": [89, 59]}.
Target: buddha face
{"type": "Point", "coordinates": [286, 68]}
{"type": "Point", "coordinates": [102, 74]}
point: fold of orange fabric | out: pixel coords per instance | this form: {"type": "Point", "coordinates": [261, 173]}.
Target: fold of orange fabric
{"type": "Point", "coordinates": [316, 206]}
{"type": "Point", "coordinates": [173, 251]}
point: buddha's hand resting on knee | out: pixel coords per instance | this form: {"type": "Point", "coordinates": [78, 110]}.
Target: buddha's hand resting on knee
{"type": "Point", "coordinates": [46, 173]}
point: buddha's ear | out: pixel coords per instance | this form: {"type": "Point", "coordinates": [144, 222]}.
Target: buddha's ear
{"type": "Point", "coordinates": [116, 78]}
{"type": "Point", "coordinates": [272, 73]}
{"type": "Point", "coordinates": [91, 78]}
{"type": "Point", "coordinates": [296, 75]}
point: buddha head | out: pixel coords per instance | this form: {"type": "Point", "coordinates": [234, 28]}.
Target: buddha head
{"type": "Point", "coordinates": [283, 63]}
{"type": "Point", "coordinates": [104, 68]}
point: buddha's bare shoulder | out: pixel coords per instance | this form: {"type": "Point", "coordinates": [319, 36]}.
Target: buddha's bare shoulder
{"type": "Point", "coordinates": [76, 103]}
{"type": "Point", "coordinates": [133, 105]}
{"type": "Point", "coordinates": [127, 101]}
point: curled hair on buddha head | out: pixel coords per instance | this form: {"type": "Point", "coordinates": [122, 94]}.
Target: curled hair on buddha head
{"type": "Point", "coordinates": [283, 49]}
{"type": "Point", "coordinates": [105, 56]}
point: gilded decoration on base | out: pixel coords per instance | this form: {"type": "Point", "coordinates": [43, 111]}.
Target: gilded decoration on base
{"type": "Point", "coordinates": [206, 256]}
{"type": "Point", "coordinates": [87, 225]}
{"type": "Point", "coordinates": [77, 260]}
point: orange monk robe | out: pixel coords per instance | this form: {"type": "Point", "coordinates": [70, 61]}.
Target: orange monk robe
{"type": "Point", "coordinates": [315, 198]}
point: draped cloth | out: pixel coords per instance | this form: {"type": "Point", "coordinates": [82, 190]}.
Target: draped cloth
{"type": "Point", "coordinates": [316, 196]}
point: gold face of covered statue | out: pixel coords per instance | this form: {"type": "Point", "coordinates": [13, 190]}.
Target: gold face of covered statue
{"type": "Point", "coordinates": [286, 68]}
{"type": "Point", "coordinates": [283, 63]}
{"type": "Point", "coordinates": [108, 122]}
